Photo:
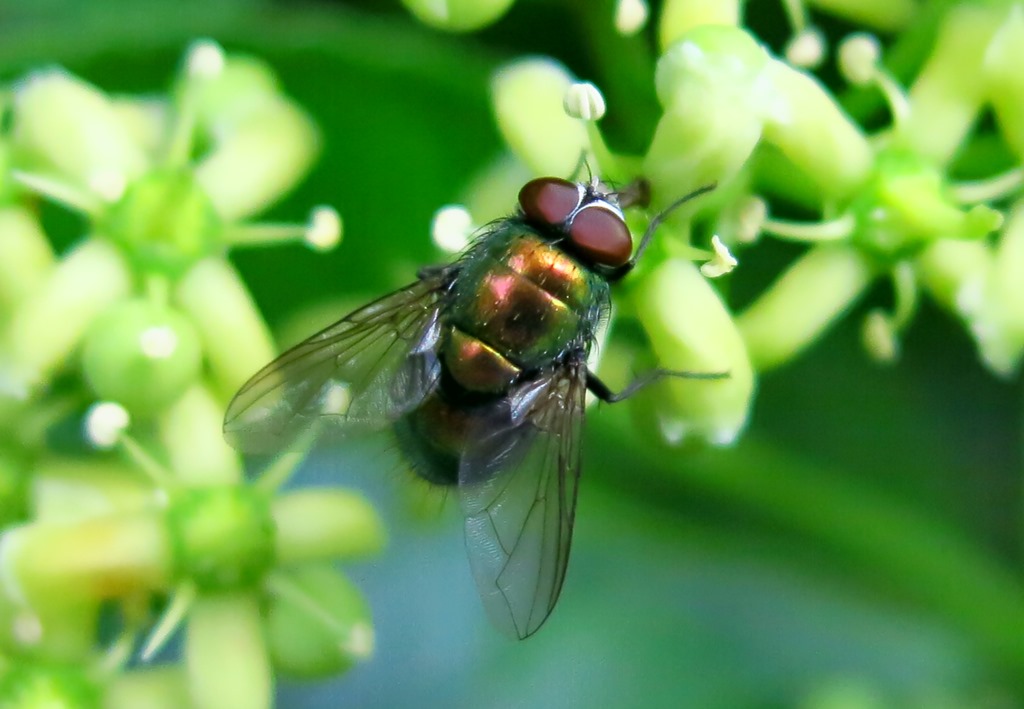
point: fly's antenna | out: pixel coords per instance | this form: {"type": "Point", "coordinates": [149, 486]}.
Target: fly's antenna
{"type": "Point", "coordinates": [661, 216]}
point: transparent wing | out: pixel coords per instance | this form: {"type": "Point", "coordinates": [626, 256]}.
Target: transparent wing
{"type": "Point", "coordinates": [517, 483]}
{"type": "Point", "coordinates": [361, 373]}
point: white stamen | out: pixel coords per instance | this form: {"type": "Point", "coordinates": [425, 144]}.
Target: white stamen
{"type": "Point", "coordinates": [752, 215]}
{"type": "Point", "coordinates": [104, 423]}
{"type": "Point", "coordinates": [205, 59]}
{"type": "Point", "coordinates": [673, 430]}
{"type": "Point", "coordinates": [631, 16]}
{"type": "Point", "coordinates": [879, 337]}
{"type": "Point", "coordinates": [451, 228]}
{"type": "Point", "coordinates": [158, 342]}
{"type": "Point", "coordinates": [807, 48]}
{"type": "Point", "coordinates": [360, 641]}
{"type": "Point", "coordinates": [583, 100]}
{"type": "Point", "coordinates": [858, 59]}
{"type": "Point", "coordinates": [723, 261]}
{"type": "Point", "coordinates": [324, 231]}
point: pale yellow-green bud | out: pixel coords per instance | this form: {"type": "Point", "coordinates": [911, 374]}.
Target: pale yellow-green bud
{"type": "Point", "coordinates": [235, 338]}
{"type": "Point", "coordinates": [226, 654]}
{"type": "Point", "coordinates": [142, 355]}
{"type": "Point", "coordinates": [808, 127]}
{"type": "Point", "coordinates": [26, 257]}
{"type": "Point", "coordinates": [458, 15]}
{"type": "Point", "coordinates": [803, 302]}
{"type": "Point", "coordinates": [712, 85]}
{"type": "Point", "coordinates": [680, 16]}
{"type": "Point", "coordinates": [886, 15]}
{"type": "Point", "coordinates": [87, 281]}
{"type": "Point", "coordinates": [260, 159]}
{"type": "Point", "coordinates": [190, 431]}
{"type": "Point", "coordinates": [1004, 78]}
{"type": "Point", "coordinates": [691, 330]}
{"type": "Point", "coordinates": [67, 128]}
{"type": "Point", "coordinates": [528, 98]}
{"type": "Point", "coordinates": [947, 94]}
{"type": "Point", "coordinates": [318, 622]}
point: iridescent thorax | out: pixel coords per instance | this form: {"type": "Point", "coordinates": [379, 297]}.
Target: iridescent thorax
{"type": "Point", "coordinates": [526, 298]}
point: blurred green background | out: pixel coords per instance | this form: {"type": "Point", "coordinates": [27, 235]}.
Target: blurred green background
{"type": "Point", "coordinates": [859, 547]}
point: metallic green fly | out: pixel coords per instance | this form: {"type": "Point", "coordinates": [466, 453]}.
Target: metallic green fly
{"type": "Point", "coordinates": [480, 370]}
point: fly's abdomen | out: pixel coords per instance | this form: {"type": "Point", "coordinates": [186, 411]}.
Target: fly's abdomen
{"type": "Point", "coordinates": [433, 436]}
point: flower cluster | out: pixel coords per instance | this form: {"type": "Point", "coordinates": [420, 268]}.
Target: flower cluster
{"type": "Point", "coordinates": [140, 331]}
{"type": "Point", "coordinates": [919, 203]}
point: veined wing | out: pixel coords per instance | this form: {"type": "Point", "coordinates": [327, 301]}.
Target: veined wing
{"type": "Point", "coordinates": [360, 373]}
{"type": "Point", "coordinates": [518, 483]}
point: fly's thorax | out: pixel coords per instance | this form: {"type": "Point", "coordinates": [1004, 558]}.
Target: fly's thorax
{"type": "Point", "coordinates": [551, 268]}
{"type": "Point", "coordinates": [525, 298]}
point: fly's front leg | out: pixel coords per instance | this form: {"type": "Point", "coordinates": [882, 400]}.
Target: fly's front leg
{"type": "Point", "coordinates": [430, 271]}
{"type": "Point", "coordinates": [601, 390]}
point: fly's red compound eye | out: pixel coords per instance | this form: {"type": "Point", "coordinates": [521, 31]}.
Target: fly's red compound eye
{"type": "Point", "coordinates": [549, 200]}
{"type": "Point", "coordinates": [600, 235]}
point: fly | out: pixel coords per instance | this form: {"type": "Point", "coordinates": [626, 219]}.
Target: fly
{"type": "Point", "coordinates": [479, 368]}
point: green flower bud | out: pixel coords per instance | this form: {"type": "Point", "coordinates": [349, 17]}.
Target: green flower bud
{"type": "Point", "coordinates": [258, 160]}
{"type": "Point", "coordinates": [810, 129]}
{"type": "Point", "coordinates": [191, 433]}
{"type": "Point", "coordinates": [816, 290]}
{"type": "Point", "coordinates": [244, 86]}
{"type": "Point", "coordinates": [983, 287]}
{"type": "Point", "coordinates": [1004, 80]}
{"type": "Point", "coordinates": [223, 537]}
{"type": "Point", "coordinates": [680, 16]}
{"type": "Point", "coordinates": [885, 15]}
{"type": "Point", "coordinates": [458, 15]}
{"type": "Point", "coordinates": [323, 524]}
{"type": "Point", "coordinates": [226, 654]}
{"type": "Point", "coordinates": [947, 95]}
{"type": "Point", "coordinates": [711, 83]}
{"type": "Point", "coordinates": [1007, 294]}
{"type": "Point", "coordinates": [26, 257]}
{"type": "Point", "coordinates": [71, 489]}
{"type": "Point", "coordinates": [691, 330]}
{"type": "Point", "coordinates": [947, 267]}
{"type": "Point", "coordinates": [528, 97]}
{"type": "Point", "coordinates": [318, 623]}
{"type": "Point", "coordinates": [165, 222]}
{"type": "Point", "coordinates": [146, 121]}
{"type": "Point", "coordinates": [234, 337]}
{"type": "Point", "coordinates": [66, 126]}
{"type": "Point", "coordinates": [95, 558]}
{"type": "Point", "coordinates": [141, 355]}
{"type": "Point", "coordinates": [32, 685]}
{"type": "Point", "coordinates": [152, 687]}
{"type": "Point", "coordinates": [49, 323]}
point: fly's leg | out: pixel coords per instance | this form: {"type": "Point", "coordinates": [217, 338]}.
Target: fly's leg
{"type": "Point", "coordinates": [428, 272]}
{"type": "Point", "coordinates": [601, 390]}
